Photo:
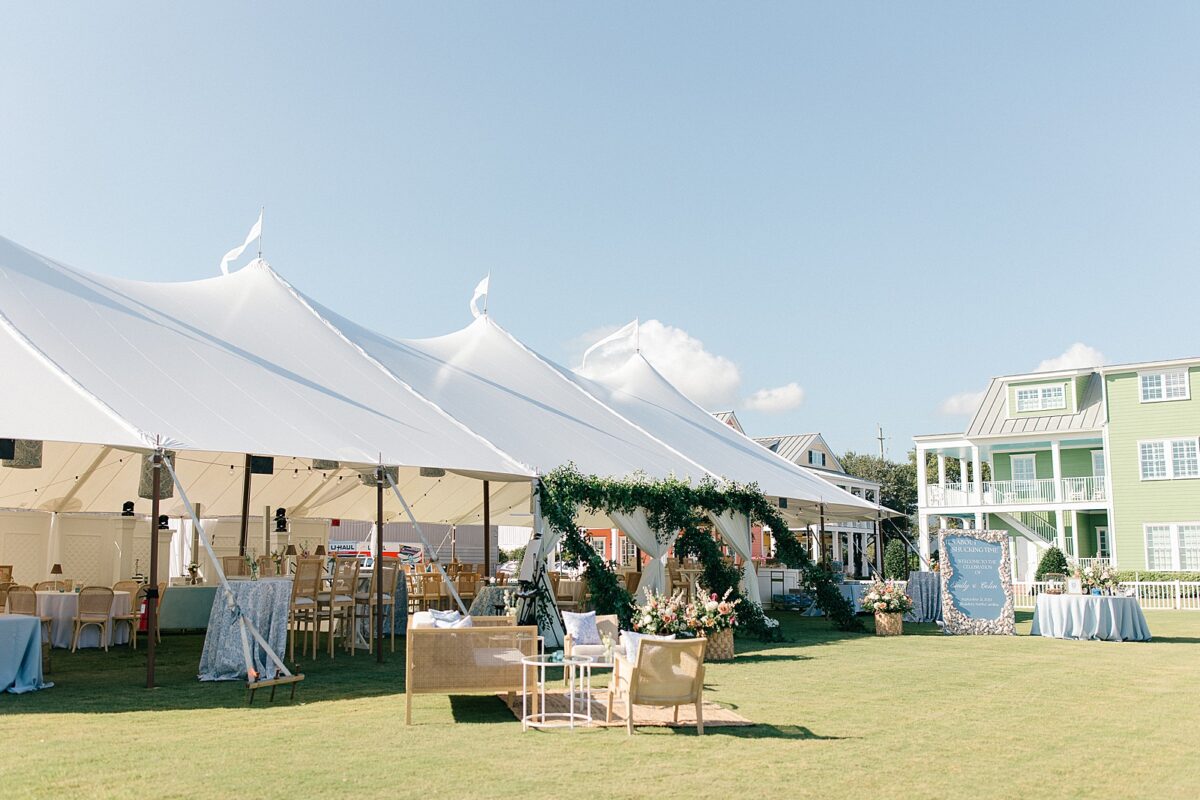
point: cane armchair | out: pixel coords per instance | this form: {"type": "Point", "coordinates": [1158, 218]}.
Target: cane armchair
{"type": "Point", "coordinates": [95, 608]}
{"type": "Point", "coordinates": [665, 674]}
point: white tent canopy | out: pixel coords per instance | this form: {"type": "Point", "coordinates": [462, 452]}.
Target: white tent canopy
{"type": "Point", "coordinates": [213, 369]}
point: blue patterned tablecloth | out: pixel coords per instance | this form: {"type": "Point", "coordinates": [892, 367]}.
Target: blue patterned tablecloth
{"type": "Point", "coordinates": [925, 589]}
{"type": "Point", "coordinates": [21, 654]}
{"type": "Point", "coordinates": [265, 604]}
{"type": "Point", "coordinates": [486, 600]}
{"type": "Point", "coordinates": [853, 593]}
{"type": "Point", "coordinates": [1080, 616]}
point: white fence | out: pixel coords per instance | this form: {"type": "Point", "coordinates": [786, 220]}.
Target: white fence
{"type": "Point", "coordinates": [1153, 595]}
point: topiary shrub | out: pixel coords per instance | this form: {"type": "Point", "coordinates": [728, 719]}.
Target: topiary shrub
{"type": "Point", "coordinates": [1053, 562]}
{"type": "Point", "coordinates": [895, 560]}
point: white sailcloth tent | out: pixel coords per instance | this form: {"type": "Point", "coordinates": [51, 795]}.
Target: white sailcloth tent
{"type": "Point", "coordinates": [103, 369]}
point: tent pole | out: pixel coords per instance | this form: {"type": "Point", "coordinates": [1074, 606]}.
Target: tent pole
{"type": "Point", "coordinates": [152, 589]}
{"type": "Point", "coordinates": [433, 556]}
{"type": "Point", "coordinates": [245, 509]}
{"type": "Point", "coordinates": [487, 531]}
{"type": "Point", "coordinates": [379, 565]}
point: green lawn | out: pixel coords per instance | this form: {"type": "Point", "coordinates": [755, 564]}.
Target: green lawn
{"type": "Point", "coordinates": [919, 716]}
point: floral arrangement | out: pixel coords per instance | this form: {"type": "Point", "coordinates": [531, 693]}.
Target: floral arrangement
{"type": "Point", "coordinates": [885, 597]}
{"type": "Point", "coordinates": [1101, 577]}
{"type": "Point", "coordinates": [661, 615]}
{"type": "Point", "coordinates": [252, 563]}
{"type": "Point", "coordinates": [711, 614]}
{"type": "Point", "coordinates": [277, 556]}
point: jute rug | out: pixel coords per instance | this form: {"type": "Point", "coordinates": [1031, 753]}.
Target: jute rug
{"type": "Point", "coordinates": [647, 716]}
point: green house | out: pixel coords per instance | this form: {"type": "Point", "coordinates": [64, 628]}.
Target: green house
{"type": "Point", "coordinates": [1103, 462]}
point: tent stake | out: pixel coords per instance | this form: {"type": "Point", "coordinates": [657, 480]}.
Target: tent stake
{"type": "Point", "coordinates": [152, 589]}
{"type": "Point", "coordinates": [245, 509]}
{"type": "Point", "coordinates": [487, 531]}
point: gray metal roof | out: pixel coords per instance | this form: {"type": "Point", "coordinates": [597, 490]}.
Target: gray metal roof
{"type": "Point", "coordinates": [730, 419]}
{"type": "Point", "coordinates": [792, 447]}
{"type": "Point", "coordinates": [992, 418]}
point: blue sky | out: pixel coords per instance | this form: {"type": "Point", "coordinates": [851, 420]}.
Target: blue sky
{"type": "Point", "coordinates": [883, 205]}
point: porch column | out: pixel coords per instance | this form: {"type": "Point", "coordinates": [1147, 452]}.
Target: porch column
{"type": "Point", "coordinates": [941, 461]}
{"type": "Point", "coordinates": [849, 552]}
{"type": "Point", "coordinates": [1060, 521]}
{"type": "Point", "coordinates": [976, 475]}
{"type": "Point", "coordinates": [1056, 464]}
{"type": "Point", "coordinates": [864, 562]}
{"type": "Point", "coordinates": [979, 521]}
{"type": "Point", "coordinates": [923, 540]}
{"type": "Point", "coordinates": [922, 481]}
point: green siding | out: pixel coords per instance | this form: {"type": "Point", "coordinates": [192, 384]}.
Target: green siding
{"type": "Point", "coordinates": [1136, 501]}
{"type": "Point", "coordinates": [1076, 463]}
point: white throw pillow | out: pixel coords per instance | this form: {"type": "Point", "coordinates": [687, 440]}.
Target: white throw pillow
{"type": "Point", "coordinates": [465, 622]}
{"type": "Point", "coordinates": [581, 627]}
{"type": "Point", "coordinates": [445, 616]}
{"type": "Point", "coordinates": [423, 619]}
{"type": "Point", "coordinates": [631, 640]}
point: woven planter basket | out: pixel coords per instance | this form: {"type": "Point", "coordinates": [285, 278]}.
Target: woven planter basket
{"type": "Point", "coordinates": [720, 646]}
{"type": "Point", "coordinates": [889, 624]}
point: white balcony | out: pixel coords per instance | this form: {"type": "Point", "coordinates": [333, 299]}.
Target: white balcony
{"type": "Point", "coordinates": [1005, 493]}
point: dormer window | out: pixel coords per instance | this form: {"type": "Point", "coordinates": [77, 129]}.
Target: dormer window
{"type": "Point", "coordinates": [1158, 387]}
{"type": "Point", "coordinates": [1041, 398]}
{"type": "Point", "coordinates": [816, 458]}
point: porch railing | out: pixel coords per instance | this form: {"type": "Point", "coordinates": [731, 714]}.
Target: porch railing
{"type": "Point", "coordinates": [1152, 595]}
{"type": "Point", "coordinates": [1040, 491]}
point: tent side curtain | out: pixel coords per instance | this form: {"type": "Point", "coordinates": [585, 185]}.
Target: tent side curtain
{"type": "Point", "coordinates": [636, 526]}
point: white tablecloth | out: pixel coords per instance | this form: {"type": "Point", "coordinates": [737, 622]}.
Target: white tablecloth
{"type": "Point", "coordinates": [61, 607]}
{"type": "Point", "coordinates": [1081, 616]}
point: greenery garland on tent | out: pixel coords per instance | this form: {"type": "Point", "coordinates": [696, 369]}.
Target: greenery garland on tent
{"type": "Point", "coordinates": [674, 505]}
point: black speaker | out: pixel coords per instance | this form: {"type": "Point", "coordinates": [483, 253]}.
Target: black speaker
{"type": "Point", "coordinates": [281, 520]}
{"type": "Point", "coordinates": [164, 522]}
{"type": "Point", "coordinates": [127, 508]}
{"type": "Point", "coordinates": [8, 449]}
{"type": "Point", "coordinates": [262, 465]}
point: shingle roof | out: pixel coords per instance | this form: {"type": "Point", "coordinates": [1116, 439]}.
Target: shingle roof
{"type": "Point", "coordinates": [992, 418]}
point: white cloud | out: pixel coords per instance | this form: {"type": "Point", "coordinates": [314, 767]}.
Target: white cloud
{"type": "Point", "coordinates": [774, 401]}
{"type": "Point", "coordinates": [1076, 356]}
{"type": "Point", "coordinates": [962, 404]}
{"type": "Point", "coordinates": [710, 380]}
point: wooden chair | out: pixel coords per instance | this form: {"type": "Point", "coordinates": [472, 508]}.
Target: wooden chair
{"type": "Point", "coordinates": [306, 586]}
{"type": "Point", "coordinates": [338, 603]}
{"type": "Point", "coordinates": [234, 565]}
{"type": "Point", "coordinates": [664, 674]}
{"type": "Point", "coordinates": [6, 573]}
{"type": "Point", "coordinates": [433, 590]}
{"type": "Point", "coordinates": [366, 601]}
{"type": "Point", "coordinates": [632, 581]}
{"type": "Point", "coordinates": [266, 566]}
{"type": "Point", "coordinates": [137, 596]}
{"type": "Point", "coordinates": [4, 587]}
{"type": "Point", "coordinates": [95, 608]}
{"type": "Point", "coordinates": [468, 586]}
{"type": "Point", "coordinates": [23, 600]}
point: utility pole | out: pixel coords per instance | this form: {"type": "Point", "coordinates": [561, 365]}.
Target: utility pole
{"type": "Point", "coordinates": [881, 439]}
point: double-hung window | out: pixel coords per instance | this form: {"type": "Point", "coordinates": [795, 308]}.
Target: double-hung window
{"type": "Point", "coordinates": [1157, 387]}
{"type": "Point", "coordinates": [1173, 546]}
{"type": "Point", "coordinates": [1168, 459]}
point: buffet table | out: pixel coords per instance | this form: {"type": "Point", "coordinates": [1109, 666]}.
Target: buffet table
{"type": "Point", "coordinates": [1082, 616]}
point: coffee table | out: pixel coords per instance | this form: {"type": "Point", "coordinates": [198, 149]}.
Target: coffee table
{"type": "Point", "coordinates": [578, 672]}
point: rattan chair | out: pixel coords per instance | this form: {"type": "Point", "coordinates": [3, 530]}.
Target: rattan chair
{"type": "Point", "coordinates": [4, 587]}
{"type": "Point", "coordinates": [338, 603]}
{"type": "Point", "coordinates": [23, 600]}
{"type": "Point", "coordinates": [234, 565]}
{"type": "Point", "coordinates": [95, 608]}
{"type": "Point", "coordinates": [366, 601]}
{"type": "Point", "coordinates": [53, 586]}
{"type": "Point", "coordinates": [137, 596]}
{"type": "Point", "coordinates": [664, 674]}
{"type": "Point", "coordinates": [266, 566]}
{"type": "Point", "coordinates": [302, 609]}
{"type": "Point", "coordinates": [6, 573]}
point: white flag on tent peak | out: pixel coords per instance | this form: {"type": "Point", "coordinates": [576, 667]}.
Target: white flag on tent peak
{"type": "Point", "coordinates": [235, 253]}
{"type": "Point", "coordinates": [481, 291]}
{"type": "Point", "coordinates": [629, 334]}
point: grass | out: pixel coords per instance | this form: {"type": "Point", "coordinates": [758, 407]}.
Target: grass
{"type": "Point", "coordinates": [838, 715]}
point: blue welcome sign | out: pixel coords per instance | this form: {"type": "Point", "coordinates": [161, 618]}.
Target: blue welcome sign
{"type": "Point", "coordinates": [976, 582]}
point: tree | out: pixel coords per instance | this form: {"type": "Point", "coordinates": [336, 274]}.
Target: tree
{"type": "Point", "coordinates": [897, 483]}
{"type": "Point", "coordinates": [895, 560]}
{"type": "Point", "coordinates": [1053, 562]}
